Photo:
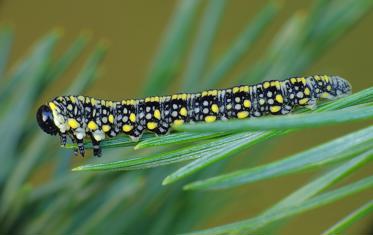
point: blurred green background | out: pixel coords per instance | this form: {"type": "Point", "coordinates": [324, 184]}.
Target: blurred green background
{"type": "Point", "coordinates": [70, 202]}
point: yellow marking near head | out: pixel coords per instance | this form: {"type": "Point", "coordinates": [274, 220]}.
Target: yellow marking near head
{"type": "Point", "coordinates": [72, 98]}
{"type": "Point", "coordinates": [81, 98]}
{"type": "Point", "coordinates": [214, 108]}
{"type": "Point", "coordinates": [103, 102]}
{"type": "Point", "coordinates": [133, 117]}
{"type": "Point", "coordinates": [73, 123]}
{"type": "Point", "coordinates": [326, 78]}
{"type": "Point", "coordinates": [178, 122]}
{"type": "Point", "coordinates": [174, 97]}
{"type": "Point", "coordinates": [106, 128]}
{"type": "Point", "coordinates": [127, 128]}
{"type": "Point", "coordinates": [275, 109]}
{"type": "Point", "coordinates": [184, 96]}
{"type": "Point", "coordinates": [156, 99]}
{"type": "Point", "coordinates": [266, 84]}
{"type": "Point", "coordinates": [210, 119]}
{"type": "Point", "coordinates": [157, 114]}
{"type": "Point", "coordinates": [247, 103]}
{"type": "Point", "coordinates": [303, 101]}
{"type": "Point", "coordinates": [329, 88]}
{"type": "Point", "coordinates": [279, 98]}
{"type": "Point", "coordinates": [317, 78]}
{"type": "Point", "coordinates": [277, 85]}
{"type": "Point", "coordinates": [92, 125]}
{"type": "Point", "coordinates": [111, 118]}
{"type": "Point", "coordinates": [147, 99]}
{"type": "Point", "coordinates": [124, 102]}
{"type": "Point", "coordinates": [52, 106]}
{"type": "Point", "coordinates": [246, 88]}
{"type": "Point", "coordinates": [204, 93]}
{"type": "Point", "coordinates": [293, 80]}
{"type": "Point", "coordinates": [307, 91]}
{"type": "Point", "coordinates": [236, 89]}
{"type": "Point", "coordinates": [242, 114]}
{"type": "Point", "coordinates": [151, 125]}
{"type": "Point", "coordinates": [87, 100]}
{"type": "Point", "coordinates": [183, 111]}
{"type": "Point", "coordinates": [302, 80]}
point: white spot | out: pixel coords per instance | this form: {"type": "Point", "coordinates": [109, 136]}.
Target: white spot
{"type": "Point", "coordinates": [300, 94]}
{"type": "Point", "coordinates": [270, 101]}
{"type": "Point", "coordinates": [104, 111]}
{"type": "Point", "coordinates": [237, 106]}
{"type": "Point", "coordinates": [174, 106]}
{"type": "Point", "coordinates": [196, 110]}
{"type": "Point", "coordinates": [291, 96]}
{"type": "Point", "coordinates": [104, 119]}
{"type": "Point", "coordinates": [148, 116]}
{"type": "Point", "coordinates": [269, 93]}
{"type": "Point", "coordinates": [174, 114]}
{"type": "Point", "coordinates": [125, 119]}
{"type": "Point", "coordinates": [205, 103]}
{"type": "Point", "coordinates": [205, 110]}
{"type": "Point", "coordinates": [125, 110]}
{"type": "Point", "coordinates": [237, 99]}
{"type": "Point", "coordinates": [147, 109]}
{"type": "Point", "coordinates": [141, 115]}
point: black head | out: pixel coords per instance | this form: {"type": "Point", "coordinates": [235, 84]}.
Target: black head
{"type": "Point", "coordinates": [44, 116]}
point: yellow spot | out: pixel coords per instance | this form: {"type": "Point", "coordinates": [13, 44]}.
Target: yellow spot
{"type": "Point", "coordinates": [156, 99]}
{"type": "Point", "coordinates": [106, 128]}
{"type": "Point", "coordinates": [210, 119]}
{"type": "Point", "coordinates": [278, 85]}
{"type": "Point", "coordinates": [275, 109]}
{"type": "Point", "coordinates": [87, 100]}
{"type": "Point", "coordinates": [133, 117]}
{"type": "Point", "coordinates": [236, 89]}
{"type": "Point", "coordinates": [124, 102]}
{"type": "Point", "coordinates": [325, 95]}
{"type": "Point", "coordinates": [247, 103]}
{"type": "Point", "coordinates": [81, 98]}
{"type": "Point", "coordinates": [215, 108]}
{"type": "Point", "coordinates": [174, 97]}
{"type": "Point", "coordinates": [93, 101]}
{"type": "Point", "coordinates": [73, 123]}
{"type": "Point", "coordinates": [52, 105]}
{"type": "Point", "coordinates": [317, 78]}
{"type": "Point", "coordinates": [326, 78]}
{"type": "Point", "coordinates": [329, 88]}
{"type": "Point", "coordinates": [213, 92]}
{"type": "Point", "coordinates": [184, 96]}
{"type": "Point", "coordinates": [303, 80]}
{"type": "Point", "coordinates": [183, 111]}
{"type": "Point", "coordinates": [266, 84]}
{"type": "Point", "coordinates": [92, 125]}
{"type": "Point", "coordinates": [204, 93]}
{"type": "Point", "coordinates": [279, 98]}
{"type": "Point", "coordinates": [242, 114]}
{"type": "Point", "coordinates": [72, 98]}
{"type": "Point", "coordinates": [127, 128]}
{"type": "Point", "coordinates": [147, 99]}
{"type": "Point", "coordinates": [307, 91]}
{"type": "Point", "coordinates": [111, 118]}
{"type": "Point", "coordinates": [151, 125]}
{"type": "Point", "coordinates": [178, 122]}
{"type": "Point", "coordinates": [157, 114]}
{"type": "Point", "coordinates": [293, 80]}
{"type": "Point", "coordinates": [303, 101]}
{"type": "Point", "coordinates": [246, 88]}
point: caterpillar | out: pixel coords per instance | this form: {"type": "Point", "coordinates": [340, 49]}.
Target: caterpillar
{"type": "Point", "coordinates": [79, 116]}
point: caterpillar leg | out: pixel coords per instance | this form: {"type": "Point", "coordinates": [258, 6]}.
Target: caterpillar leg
{"type": "Point", "coordinates": [311, 104]}
{"type": "Point", "coordinates": [96, 147]}
{"type": "Point", "coordinates": [63, 139]}
{"type": "Point", "coordinates": [74, 142]}
{"type": "Point", "coordinates": [80, 146]}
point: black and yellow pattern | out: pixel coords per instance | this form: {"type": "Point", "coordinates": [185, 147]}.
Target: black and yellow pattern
{"type": "Point", "coordinates": [80, 116]}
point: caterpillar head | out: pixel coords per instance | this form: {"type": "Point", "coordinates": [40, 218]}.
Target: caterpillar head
{"type": "Point", "coordinates": [44, 116]}
{"type": "Point", "coordinates": [341, 86]}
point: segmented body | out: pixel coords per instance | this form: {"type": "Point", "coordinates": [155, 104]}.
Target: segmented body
{"type": "Point", "coordinates": [82, 116]}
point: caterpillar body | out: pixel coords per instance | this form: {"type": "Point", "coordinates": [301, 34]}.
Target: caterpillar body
{"type": "Point", "coordinates": [80, 116]}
